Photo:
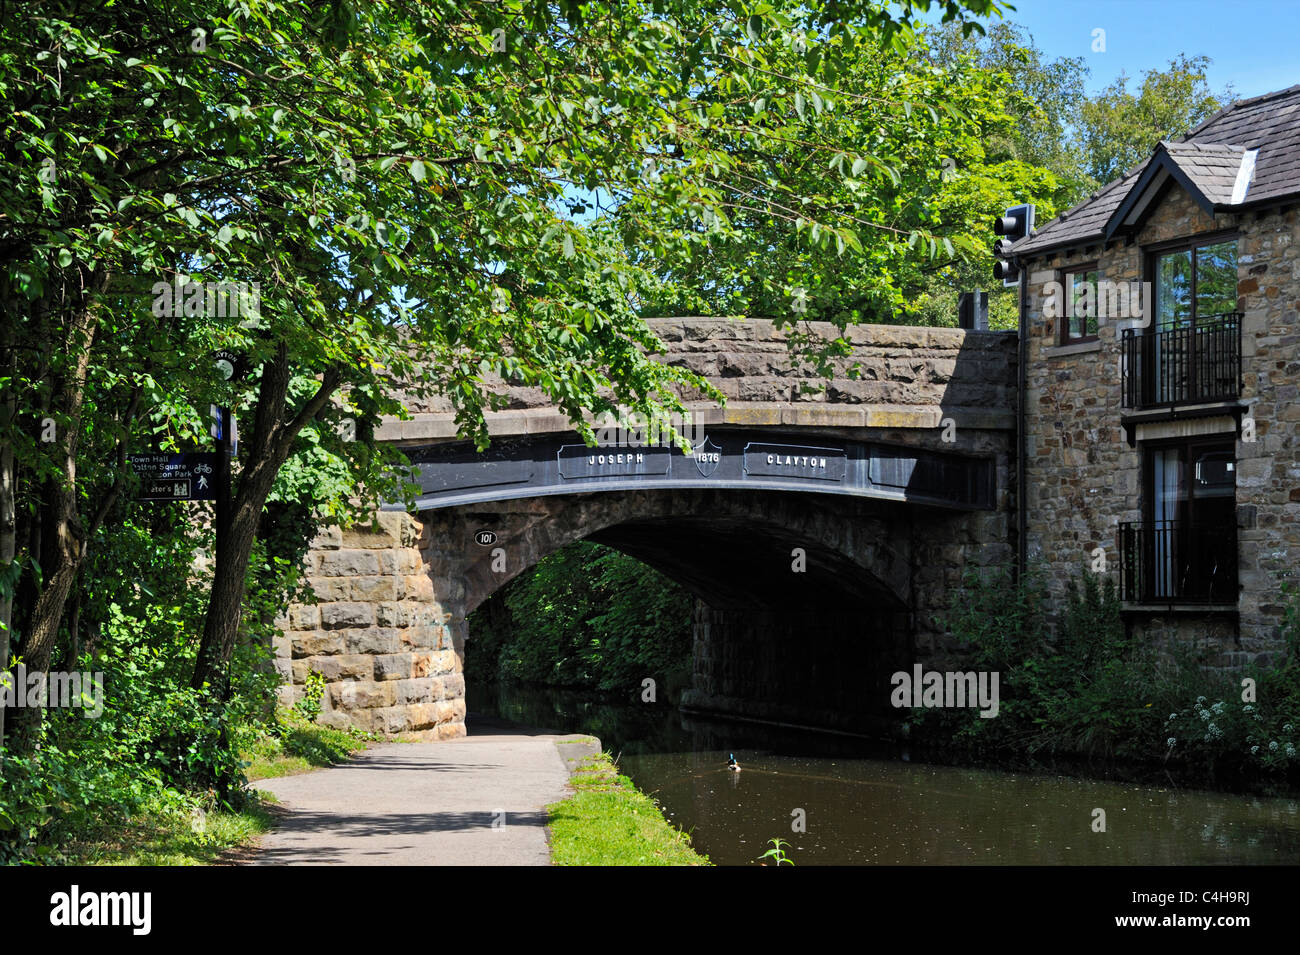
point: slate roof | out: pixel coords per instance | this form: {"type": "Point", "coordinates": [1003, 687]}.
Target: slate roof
{"type": "Point", "coordinates": [1211, 156]}
{"type": "Point", "coordinates": [1212, 167]}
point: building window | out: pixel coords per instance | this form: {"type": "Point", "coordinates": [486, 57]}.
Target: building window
{"type": "Point", "coordinates": [1190, 350]}
{"type": "Point", "coordinates": [1185, 550]}
{"type": "Point", "coordinates": [1079, 324]}
{"type": "Point", "coordinates": [1196, 286]}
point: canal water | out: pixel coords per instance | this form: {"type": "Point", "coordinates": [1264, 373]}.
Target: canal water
{"type": "Point", "coordinates": [863, 803]}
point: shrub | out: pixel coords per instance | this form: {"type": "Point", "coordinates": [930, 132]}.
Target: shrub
{"type": "Point", "coordinates": [313, 692]}
{"type": "Point", "coordinates": [1089, 689]}
{"type": "Point", "coordinates": [1093, 689]}
{"type": "Point", "coordinates": [160, 746]}
{"type": "Point", "coordinates": [1226, 732]}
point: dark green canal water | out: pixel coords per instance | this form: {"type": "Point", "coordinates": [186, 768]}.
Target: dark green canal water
{"type": "Point", "coordinates": [868, 804]}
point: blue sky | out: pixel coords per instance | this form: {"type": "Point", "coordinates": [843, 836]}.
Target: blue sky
{"type": "Point", "coordinates": [1254, 44]}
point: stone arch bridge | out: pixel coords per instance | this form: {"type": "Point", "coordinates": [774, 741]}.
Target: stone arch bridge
{"type": "Point", "coordinates": [820, 530]}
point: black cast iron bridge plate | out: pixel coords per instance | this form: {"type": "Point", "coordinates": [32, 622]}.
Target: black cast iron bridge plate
{"type": "Point", "coordinates": [753, 459]}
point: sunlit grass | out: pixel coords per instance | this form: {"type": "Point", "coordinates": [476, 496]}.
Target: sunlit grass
{"type": "Point", "coordinates": [607, 821]}
{"type": "Point", "coordinates": [300, 747]}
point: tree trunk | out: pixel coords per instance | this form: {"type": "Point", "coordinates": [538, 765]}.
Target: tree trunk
{"type": "Point", "coordinates": [62, 550]}
{"type": "Point", "coordinates": [8, 511]}
{"type": "Point", "coordinates": [269, 448]}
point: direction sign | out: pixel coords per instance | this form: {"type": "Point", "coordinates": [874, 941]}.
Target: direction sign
{"type": "Point", "coordinates": [175, 477]}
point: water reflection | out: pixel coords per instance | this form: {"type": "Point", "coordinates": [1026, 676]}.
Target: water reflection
{"type": "Point", "coordinates": [867, 804]}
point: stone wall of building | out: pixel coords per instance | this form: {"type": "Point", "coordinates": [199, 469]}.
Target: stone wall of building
{"type": "Point", "coordinates": [1083, 478]}
{"type": "Point", "coordinates": [1268, 470]}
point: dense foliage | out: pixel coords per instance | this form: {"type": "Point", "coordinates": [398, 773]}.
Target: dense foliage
{"type": "Point", "coordinates": [1120, 127]}
{"type": "Point", "coordinates": [406, 183]}
{"type": "Point", "coordinates": [586, 616]}
{"type": "Point", "coordinates": [1089, 688]}
{"type": "Point", "coordinates": [159, 741]}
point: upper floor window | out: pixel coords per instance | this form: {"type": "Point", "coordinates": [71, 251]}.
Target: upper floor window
{"type": "Point", "coordinates": [1079, 324]}
{"type": "Point", "coordinates": [1195, 286]}
{"type": "Point", "coordinates": [1189, 351]}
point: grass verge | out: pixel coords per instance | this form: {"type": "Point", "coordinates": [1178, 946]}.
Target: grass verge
{"type": "Point", "coordinates": [608, 821]}
{"type": "Point", "coordinates": [300, 747]}
{"type": "Point", "coordinates": [176, 838]}
{"type": "Point", "coordinates": [177, 832]}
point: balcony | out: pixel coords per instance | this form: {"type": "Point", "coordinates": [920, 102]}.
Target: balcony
{"type": "Point", "coordinates": [1169, 562]}
{"type": "Point", "coordinates": [1179, 366]}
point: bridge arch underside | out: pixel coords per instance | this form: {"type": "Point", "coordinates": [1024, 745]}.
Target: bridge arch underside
{"type": "Point", "coordinates": [806, 603]}
{"type": "Point", "coordinates": [786, 628]}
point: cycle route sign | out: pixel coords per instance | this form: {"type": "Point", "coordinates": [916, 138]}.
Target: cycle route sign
{"type": "Point", "coordinates": [189, 476]}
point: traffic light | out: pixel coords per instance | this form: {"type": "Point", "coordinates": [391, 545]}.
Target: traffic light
{"type": "Point", "coordinates": [1016, 224]}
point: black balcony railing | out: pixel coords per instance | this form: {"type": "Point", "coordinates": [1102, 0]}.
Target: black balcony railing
{"type": "Point", "coordinates": [1173, 562]}
{"type": "Point", "coordinates": [1183, 365]}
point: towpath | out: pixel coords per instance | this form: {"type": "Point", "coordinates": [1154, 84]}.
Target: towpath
{"type": "Point", "coordinates": [480, 800]}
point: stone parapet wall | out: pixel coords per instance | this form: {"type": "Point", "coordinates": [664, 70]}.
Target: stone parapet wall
{"type": "Point", "coordinates": [905, 377]}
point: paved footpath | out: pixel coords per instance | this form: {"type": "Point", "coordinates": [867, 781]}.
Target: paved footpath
{"type": "Point", "coordinates": [425, 803]}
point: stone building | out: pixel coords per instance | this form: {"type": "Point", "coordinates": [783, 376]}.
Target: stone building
{"type": "Point", "coordinates": [1161, 357]}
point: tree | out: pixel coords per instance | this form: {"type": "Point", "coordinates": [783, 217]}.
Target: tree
{"type": "Point", "coordinates": [1119, 128]}
{"type": "Point", "coordinates": [1042, 98]}
{"type": "Point", "coordinates": [398, 180]}
{"type": "Point", "coordinates": [930, 172]}
{"type": "Point", "coordinates": [939, 169]}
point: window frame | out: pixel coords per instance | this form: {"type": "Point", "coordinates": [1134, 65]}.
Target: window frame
{"type": "Point", "coordinates": [1186, 516]}
{"type": "Point", "coordinates": [1150, 268]}
{"type": "Point", "coordinates": [1189, 444]}
{"type": "Point", "coordinates": [1063, 333]}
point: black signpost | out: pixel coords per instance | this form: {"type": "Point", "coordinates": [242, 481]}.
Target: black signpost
{"type": "Point", "coordinates": [232, 367]}
{"type": "Point", "coordinates": [223, 431]}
